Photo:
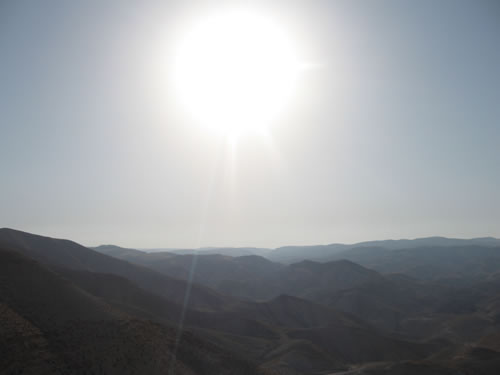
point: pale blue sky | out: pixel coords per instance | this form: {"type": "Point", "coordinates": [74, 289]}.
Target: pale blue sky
{"type": "Point", "coordinates": [395, 132]}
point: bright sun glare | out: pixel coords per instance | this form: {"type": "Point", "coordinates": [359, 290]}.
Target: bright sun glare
{"type": "Point", "coordinates": [235, 71]}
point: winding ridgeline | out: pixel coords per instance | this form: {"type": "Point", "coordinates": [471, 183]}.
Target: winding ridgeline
{"type": "Point", "coordinates": [425, 306]}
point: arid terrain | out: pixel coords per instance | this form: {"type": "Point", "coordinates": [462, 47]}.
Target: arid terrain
{"type": "Point", "coordinates": [409, 307]}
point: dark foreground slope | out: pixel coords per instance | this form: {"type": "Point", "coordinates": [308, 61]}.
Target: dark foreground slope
{"type": "Point", "coordinates": [69, 254]}
{"type": "Point", "coordinates": [76, 309]}
{"type": "Point", "coordinates": [286, 334]}
{"type": "Point", "coordinates": [50, 326]}
{"type": "Point", "coordinates": [475, 361]}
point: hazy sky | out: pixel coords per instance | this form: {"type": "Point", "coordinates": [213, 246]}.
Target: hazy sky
{"type": "Point", "coordinates": [394, 132]}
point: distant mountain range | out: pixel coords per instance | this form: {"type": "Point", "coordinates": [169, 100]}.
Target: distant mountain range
{"type": "Point", "coordinates": [432, 306]}
{"type": "Point", "coordinates": [231, 251]}
{"type": "Point", "coordinates": [293, 254]}
{"type": "Point", "coordinates": [411, 279]}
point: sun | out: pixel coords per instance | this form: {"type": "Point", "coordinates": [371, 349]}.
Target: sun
{"type": "Point", "coordinates": [235, 71]}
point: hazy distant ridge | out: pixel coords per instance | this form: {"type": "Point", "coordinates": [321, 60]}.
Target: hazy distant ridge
{"type": "Point", "coordinates": [292, 254]}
